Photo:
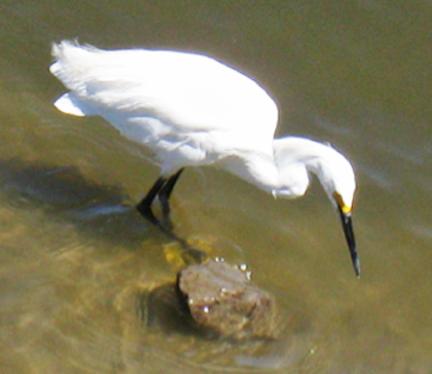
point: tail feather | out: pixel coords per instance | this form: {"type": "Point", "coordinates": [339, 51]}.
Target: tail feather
{"type": "Point", "coordinates": [72, 63]}
{"type": "Point", "coordinates": [68, 67]}
{"type": "Point", "coordinates": [69, 105]}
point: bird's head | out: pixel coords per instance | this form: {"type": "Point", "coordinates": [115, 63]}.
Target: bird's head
{"type": "Point", "coordinates": [296, 157]}
{"type": "Point", "coordinates": [337, 176]}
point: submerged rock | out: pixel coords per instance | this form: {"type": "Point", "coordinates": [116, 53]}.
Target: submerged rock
{"type": "Point", "coordinates": [222, 300]}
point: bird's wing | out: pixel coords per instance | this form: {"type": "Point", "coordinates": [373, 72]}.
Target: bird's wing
{"type": "Point", "coordinates": [183, 91]}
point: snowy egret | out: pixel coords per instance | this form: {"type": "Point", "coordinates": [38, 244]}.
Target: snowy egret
{"type": "Point", "coordinates": [192, 110]}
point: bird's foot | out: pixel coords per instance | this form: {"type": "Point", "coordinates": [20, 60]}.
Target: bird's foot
{"type": "Point", "coordinates": [165, 224]}
{"type": "Point", "coordinates": [166, 220]}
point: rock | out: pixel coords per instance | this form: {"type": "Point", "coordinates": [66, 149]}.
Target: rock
{"type": "Point", "coordinates": [222, 300]}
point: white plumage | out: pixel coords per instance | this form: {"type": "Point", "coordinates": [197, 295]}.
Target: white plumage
{"type": "Point", "coordinates": [192, 110]}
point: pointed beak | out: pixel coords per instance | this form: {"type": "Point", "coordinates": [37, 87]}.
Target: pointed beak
{"type": "Point", "coordinates": [345, 215]}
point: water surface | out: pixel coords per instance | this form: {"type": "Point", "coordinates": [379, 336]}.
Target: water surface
{"type": "Point", "coordinates": [75, 256]}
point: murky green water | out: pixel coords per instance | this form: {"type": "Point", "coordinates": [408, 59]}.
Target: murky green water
{"type": "Point", "coordinates": [74, 257]}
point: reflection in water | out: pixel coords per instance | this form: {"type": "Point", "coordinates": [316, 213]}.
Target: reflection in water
{"type": "Point", "coordinates": [84, 290]}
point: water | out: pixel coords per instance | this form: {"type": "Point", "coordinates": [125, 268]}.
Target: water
{"type": "Point", "coordinates": [75, 256]}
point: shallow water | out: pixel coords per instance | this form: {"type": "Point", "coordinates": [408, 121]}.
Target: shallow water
{"type": "Point", "coordinates": [75, 257]}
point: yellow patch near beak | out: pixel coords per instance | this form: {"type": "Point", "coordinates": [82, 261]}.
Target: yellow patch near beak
{"type": "Point", "coordinates": [346, 209]}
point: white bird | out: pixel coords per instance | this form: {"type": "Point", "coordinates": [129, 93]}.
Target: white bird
{"type": "Point", "coordinates": [192, 110]}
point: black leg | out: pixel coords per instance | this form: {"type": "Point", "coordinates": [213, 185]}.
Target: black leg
{"type": "Point", "coordinates": [165, 192]}
{"type": "Point", "coordinates": [163, 188]}
{"type": "Point", "coordinates": [144, 207]}
{"type": "Point", "coordinates": [164, 195]}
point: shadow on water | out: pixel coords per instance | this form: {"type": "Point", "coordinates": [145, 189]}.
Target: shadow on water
{"type": "Point", "coordinates": [62, 193]}
{"type": "Point", "coordinates": [117, 302]}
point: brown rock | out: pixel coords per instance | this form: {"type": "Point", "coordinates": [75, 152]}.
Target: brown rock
{"type": "Point", "coordinates": [222, 300]}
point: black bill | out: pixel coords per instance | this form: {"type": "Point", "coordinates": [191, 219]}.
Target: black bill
{"type": "Point", "coordinates": [349, 235]}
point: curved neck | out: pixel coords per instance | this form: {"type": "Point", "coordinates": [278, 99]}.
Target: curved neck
{"type": "Point", "coordinates": [285, 173]}
{"type": "Point", "coordinates": [256, 168]}
{"type": "Point", "coordinates": [333, 170]}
